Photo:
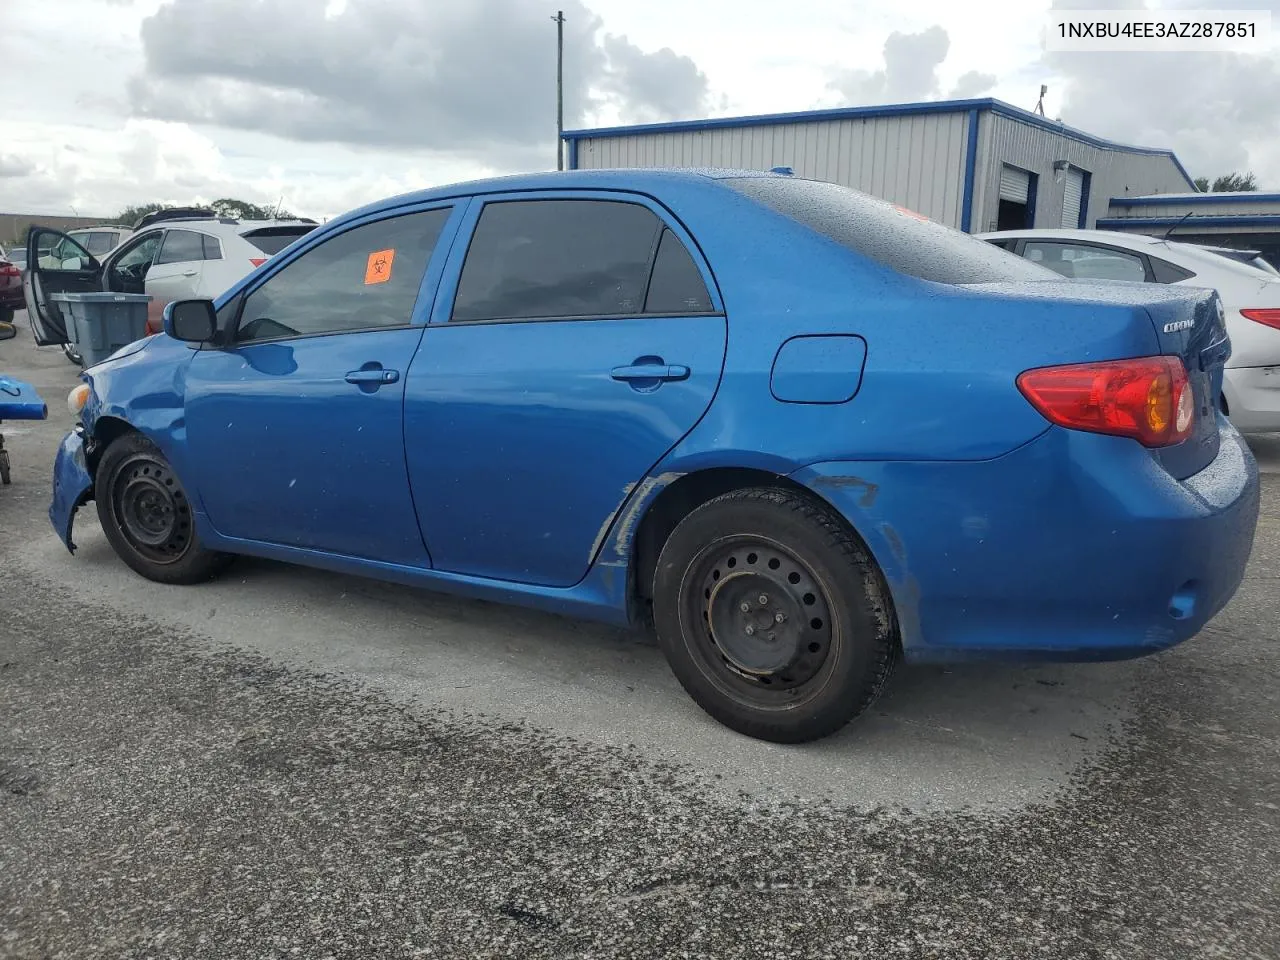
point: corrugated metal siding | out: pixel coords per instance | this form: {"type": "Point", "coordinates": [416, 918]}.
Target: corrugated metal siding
{"type": "Point", "coordinates": [1242, 207]}
{"type": "Point", "coordinates": [915, 160]}
{"type": "Point", "coordinates": [1116, 173]}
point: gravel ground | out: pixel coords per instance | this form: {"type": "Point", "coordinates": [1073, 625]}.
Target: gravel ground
{"type": "Point", "coordinates": [175, 791]}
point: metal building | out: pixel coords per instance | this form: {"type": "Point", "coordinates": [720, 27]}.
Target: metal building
{"type": "Point", "coordinates": [1241, 220]}
{"type": "Point", "coordinates": [973, 164]}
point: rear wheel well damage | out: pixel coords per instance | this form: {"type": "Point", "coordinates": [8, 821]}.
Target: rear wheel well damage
{"type": "Point", "coordinates": [691, 491]}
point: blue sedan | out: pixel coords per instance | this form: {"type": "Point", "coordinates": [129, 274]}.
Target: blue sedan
{"type": "Point", "coordinates": [801, 431]}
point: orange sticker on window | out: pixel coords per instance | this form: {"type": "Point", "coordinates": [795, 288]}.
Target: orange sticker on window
{"type": "Point", "coordinates": [378, 269]}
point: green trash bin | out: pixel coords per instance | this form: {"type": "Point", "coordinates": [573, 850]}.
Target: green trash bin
{"type": "Point", "coordinates": [99, 324]}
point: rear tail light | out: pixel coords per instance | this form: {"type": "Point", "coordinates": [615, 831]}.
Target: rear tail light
{"type": "Point", "coordinates": [1268, 317]}
{"type": "Point", "coordinates": [257, 261]}
{"type": "Point", "coordinates": [9, 270]}
{"type": "Point", "coordinates": [1149, 399]}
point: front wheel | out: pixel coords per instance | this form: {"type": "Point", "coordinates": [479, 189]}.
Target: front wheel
{"type": "Point", "coordinates": [71, 353]}
{"type": "Point", "coordinates": [146, 516]}
{"type": "Point", "coordinates": [773, 616]}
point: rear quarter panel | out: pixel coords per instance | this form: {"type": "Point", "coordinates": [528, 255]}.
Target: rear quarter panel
{"type": "Point", "coordinates": [941, 362]}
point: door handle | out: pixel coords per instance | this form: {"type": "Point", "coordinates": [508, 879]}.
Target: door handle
{"type": "Point", "coordinates": [376, 375]}
{"type": "Point", "coordinates": [189, 273]}
{"type": "Point", "coordinates": [650, 371]}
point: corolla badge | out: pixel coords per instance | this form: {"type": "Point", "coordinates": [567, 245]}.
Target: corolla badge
{"type": "Point", "coordinates": [1179, 325]}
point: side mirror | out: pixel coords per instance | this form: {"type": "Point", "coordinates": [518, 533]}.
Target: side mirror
{"type": "Point", "coordinates": [8, 331]}
{"type": "Point", "coordinates": [192, 321]}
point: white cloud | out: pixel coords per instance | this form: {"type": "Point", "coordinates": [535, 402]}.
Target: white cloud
{"type": "Point", "coordinates": [204, 121]}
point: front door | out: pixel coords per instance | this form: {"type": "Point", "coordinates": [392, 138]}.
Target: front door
{"type": "Point", "coordinates": [175, 274]}
{"type": "Point", "coordinates": [554, 381]}
{"type": "Point", "coordinates": [296, 426]}
{"type": "Point", "coordinates": [56, 263]}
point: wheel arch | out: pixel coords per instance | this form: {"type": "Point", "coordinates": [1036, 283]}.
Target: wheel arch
{"type": "Point", "coordinates": [686, 493]}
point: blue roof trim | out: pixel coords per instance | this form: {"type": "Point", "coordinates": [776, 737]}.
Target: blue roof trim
{"type": "Point", "coordinates": [970, 172]}
{"type": "Point", "coordinates": [1242, 220]}
{"type": "Point", "coordinates": [1180, 200]}
{"type": "Point", "coordinates": [889, 110]}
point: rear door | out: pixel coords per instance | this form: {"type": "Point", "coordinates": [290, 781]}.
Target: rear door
{"type": "Point", "coordinates": [554, 376]}
{"type": "Point", "coordinates": [175, 273]}
{"type": "Point", "coordinates": [65, 267]}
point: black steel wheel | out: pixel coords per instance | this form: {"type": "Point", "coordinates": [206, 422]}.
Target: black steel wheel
{"type": "Point", "coordinates": [773, 616]}
{"type": "Point", "coordinates": [146, 515]}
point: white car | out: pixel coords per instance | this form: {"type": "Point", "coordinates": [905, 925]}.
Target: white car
{"type": "Point", "coordinates": [1251, 295]}
{"type": "Point", "coordinates": [169, 259]}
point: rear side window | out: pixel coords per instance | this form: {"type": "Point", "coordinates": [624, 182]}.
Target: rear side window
{"type": "Point", "coordinates": [98, 242]}
{"type": "Point", "coordinates": [539, 259]}
{"type": "Point", "coordinates": [885, 233]}
{"type": "Point", "coordinates": [271, 240]}
{"type": "Point", "coordinates": [1085, 260]}
{"type": "Point", "coordinates": [1166, 272]}
{"type": "Point", "coordinates": [675, 286]}
{"type": "Point", "coordinates": [212, 247]}
{"type": "Point", "coordinates": [181, 246]}
{"type": "Point", "coordinates": [361, 279]}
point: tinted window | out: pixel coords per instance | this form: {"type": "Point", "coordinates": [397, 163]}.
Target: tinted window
{"type": "Point", "coordinates": [1085, 260]}
{"type": "Point", "coordinates": [1166, 272]}
{"type": "Point", "coordinates": [886, 233]}
{"type": "Point", "coordinates": [181, 246]}
{"type": "Point", "coordinates": [358, 280]}
{"type": "Point", "coordinates": [271, 240]}
{"type": "Point", "coordinates": [99, 242]}
{"type": "Point", "coordinates": [212, 247]}
{"type": "Point", "coordinates": [557, 258]}
{"type": "Point", "coordinates": [1002, 244]}
{"type": "Point", "coordinates": [676, 286]}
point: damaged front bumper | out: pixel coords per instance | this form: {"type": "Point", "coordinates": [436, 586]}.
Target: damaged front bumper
{"type": "Point", "coordinates": [72, 485]}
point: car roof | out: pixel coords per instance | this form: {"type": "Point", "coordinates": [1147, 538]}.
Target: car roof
{"type": "Point", "coordinates": [622, 178]}
{"type": "Point", "coordinates": [1191, 255]}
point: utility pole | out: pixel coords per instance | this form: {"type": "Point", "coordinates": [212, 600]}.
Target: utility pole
{"type": "Point", "coordinates": [559, 19]}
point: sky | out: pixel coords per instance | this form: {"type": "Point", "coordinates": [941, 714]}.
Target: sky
{"type": "Point", "coordinates": [323, 105]}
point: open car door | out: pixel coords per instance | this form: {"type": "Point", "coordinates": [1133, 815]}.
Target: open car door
{"type": "Point", "coordinates": [55, 264]}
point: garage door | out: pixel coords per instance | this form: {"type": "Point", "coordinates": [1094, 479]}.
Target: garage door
{"type": "Point", "coordinates": [1015, 184]}
{"type": "Point", "coordinates": [1073, 191]}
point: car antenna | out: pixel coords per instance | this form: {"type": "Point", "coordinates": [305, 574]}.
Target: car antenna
{"type": "Point", "coordinates": [1181, 220]}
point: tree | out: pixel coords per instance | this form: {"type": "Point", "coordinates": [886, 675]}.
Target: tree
{"type": "Point", "coordinates": [1228, 183]}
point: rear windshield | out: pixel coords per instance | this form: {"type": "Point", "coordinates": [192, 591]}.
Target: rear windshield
{"type": "Point", "coordinates": [271, 240]}
{"type": "Point", "coordinates": [888, 234]}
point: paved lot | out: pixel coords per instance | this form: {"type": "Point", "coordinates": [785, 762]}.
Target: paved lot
{"type": "Point", "coordinates": [290, 763]}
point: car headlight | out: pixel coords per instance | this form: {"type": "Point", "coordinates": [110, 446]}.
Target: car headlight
{"type": "Point", "coordinates": [77, 398]}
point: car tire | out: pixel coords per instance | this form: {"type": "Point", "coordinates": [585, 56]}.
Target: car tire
{"type": "Point", "coordinates": [69, 351]}
{"type": "Point", "coordinates": [146, 516]}
{"type": "Point", "coordinates": [7, 314]}
{"type": "Point", "coordinates": [823, 639]}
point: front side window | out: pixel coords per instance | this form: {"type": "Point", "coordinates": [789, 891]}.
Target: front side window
{"type": "Point", "coordinates": [539, 259]}
{"type": "Point", "coordinates": [130, 268]}
{"type": "Point", "coordinates": [1082, 260]}
{"type": "Point", "coordinates": [181, 246]}
{"type": "Point", "coordinates": [362, 279]}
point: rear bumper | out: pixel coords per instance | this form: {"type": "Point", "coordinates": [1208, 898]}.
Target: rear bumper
{"type": "Point", "coordinates": [72, 486]}
{"type": "Point", "coordinates": [1253, 397]}
{"type": "Point", "coordinates": [1075, 546]}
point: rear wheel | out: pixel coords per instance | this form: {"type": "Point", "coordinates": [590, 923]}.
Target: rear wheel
{"type": "Point", "coordinates": [146, 516]}
{"type": "Point", "coordinates": [773, 616]}
{"type": "Point", "coordinates": [69, 351]}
